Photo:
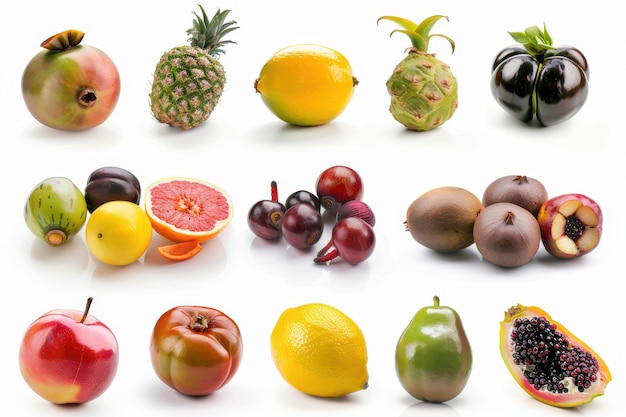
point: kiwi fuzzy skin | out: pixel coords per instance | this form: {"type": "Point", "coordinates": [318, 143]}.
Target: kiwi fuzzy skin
{"type": "Point", "coordinates": [442, 219]}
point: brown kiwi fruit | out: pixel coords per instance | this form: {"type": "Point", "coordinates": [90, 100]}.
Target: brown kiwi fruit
{"type": "Point", "coordinates": [507, 235]}
{"type": "Point", "coordinates": [442, 219]}
{"type": "Point", "coordinates": [524, 191]}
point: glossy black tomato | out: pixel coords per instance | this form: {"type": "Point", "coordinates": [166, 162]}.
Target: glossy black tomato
{"type": "Point", "coordinates": [539, 79]}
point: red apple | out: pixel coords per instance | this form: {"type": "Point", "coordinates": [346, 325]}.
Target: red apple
{"type": "Point", "coordinates": [571, 225]}
{"type": "Point", "coordinates": [68, 356]}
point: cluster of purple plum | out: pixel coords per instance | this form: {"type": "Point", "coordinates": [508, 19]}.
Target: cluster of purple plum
{"type": "Point", "coordinates": [514, 217]}
{"type": "Point", "coordinates": [300, 221]}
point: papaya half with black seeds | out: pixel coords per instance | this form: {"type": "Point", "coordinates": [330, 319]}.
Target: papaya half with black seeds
{"type": "Point", "coordinates": [549, 362]}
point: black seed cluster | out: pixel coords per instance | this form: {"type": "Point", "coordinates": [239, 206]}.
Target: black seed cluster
{"type": "Point", "coordinates": [574, 228]}
{"type": "Point", "coordinates": [548, 357]}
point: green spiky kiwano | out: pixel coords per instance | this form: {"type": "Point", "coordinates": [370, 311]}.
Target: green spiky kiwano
{"type": "Point", "coordinates": [55, 210]}
{"type": "Point", "coordinates": [423, 89]}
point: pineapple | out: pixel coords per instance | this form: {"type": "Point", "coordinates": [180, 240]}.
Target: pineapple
{"type": "Point", "coordinates": [423, 90]}
{"type": "Point", "coordinates": [189, 79]}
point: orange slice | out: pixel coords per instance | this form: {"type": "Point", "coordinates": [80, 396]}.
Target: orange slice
{"type": "Point", "coordinates": [183, 209]}
{"type": "Point", "coordinates": [180, 251]}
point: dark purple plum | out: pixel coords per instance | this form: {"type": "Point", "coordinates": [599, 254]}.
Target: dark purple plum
{"type": "Point", "coordinates": [303, 196]}
{"type": "Point", "coordinates": [302, 226]}
{"type": "Point", "coordinates": [265, 216]}
{"type": "Point", "coordinates": [336, 185]}
{"type": "Point", "coordinates": [353, 240]}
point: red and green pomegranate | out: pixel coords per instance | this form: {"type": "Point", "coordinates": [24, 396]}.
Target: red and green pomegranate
{"type": "Point", "coordinates": [550, 363]}
{"type": "Point", "coordinates": [69, 86]}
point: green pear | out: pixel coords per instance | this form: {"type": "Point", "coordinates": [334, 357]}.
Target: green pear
{"type": "Point", "coordinates": [433, 354]}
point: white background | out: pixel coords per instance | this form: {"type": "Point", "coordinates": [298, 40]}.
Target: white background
{"type": "Point", "coordinates": [243, 147]}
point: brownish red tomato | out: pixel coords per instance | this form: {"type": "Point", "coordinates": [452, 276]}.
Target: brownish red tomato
{"type": "Point", "coordinates": [195, 350]}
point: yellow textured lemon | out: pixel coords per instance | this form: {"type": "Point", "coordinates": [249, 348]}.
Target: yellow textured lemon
{"type": "Point", "coordinates": [118, 232]}
{"type": "Point", "coordinates": [320, 351]}
{"type": "Point", "coordinates": [306, 84]}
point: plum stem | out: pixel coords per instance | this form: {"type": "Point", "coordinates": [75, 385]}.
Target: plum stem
{"type": "Point", "coordinates": [324, 255]}
{"type": "Point", "coordinates": [87, 307]}
{"type": "Point", "coordinates": [274, 191]}
{"type": "Point", "coordinates": [325, 249]}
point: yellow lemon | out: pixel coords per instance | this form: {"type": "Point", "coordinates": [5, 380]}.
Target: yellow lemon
{"type": "Point", "coordinates": [306, 84]}
{"type": "Point", "coordinates": [320, 351]}
{"type": "Point", "coordinates": [118, 232]}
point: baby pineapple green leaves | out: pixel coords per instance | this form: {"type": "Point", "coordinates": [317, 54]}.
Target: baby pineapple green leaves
{"type": "Point", "coordinates": [208, 33]}
{"type": "Point", "coordinates": [418, 34]}
{"type": "Point", "coordinates": [534, 40]}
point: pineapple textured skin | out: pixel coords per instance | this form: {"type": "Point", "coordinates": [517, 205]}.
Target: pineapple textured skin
{"type": "Point", "coordinates": [188, 83]}
{"type": "Point", "coordinates": [423, 90]}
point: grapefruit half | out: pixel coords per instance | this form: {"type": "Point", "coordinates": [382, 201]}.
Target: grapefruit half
{"type": "Point", "coordinates": [182, 209]}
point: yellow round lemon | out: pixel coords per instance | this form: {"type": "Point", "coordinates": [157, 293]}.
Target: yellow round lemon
{"type": "Point", "coordinates": [320, 351]}
{"type": "Point", "coordinates": [306, 84]}
{"type": "Point", "coordinates": [118, 232]}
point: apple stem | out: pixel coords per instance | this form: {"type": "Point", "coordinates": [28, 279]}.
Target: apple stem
{"type": "Point", "coordinates": [87, 307]}
{"type": "Point", "coordinates": [199, 323]}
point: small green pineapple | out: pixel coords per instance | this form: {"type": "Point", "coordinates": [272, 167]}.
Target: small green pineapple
{"type": "Point", "coordinates": [423, 90]}
{"type": "Point", "coordinates": [189, 79]}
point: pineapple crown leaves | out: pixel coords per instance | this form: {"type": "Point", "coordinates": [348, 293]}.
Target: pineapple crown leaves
{"type": "Point", "coordinates": [535, 40]}
{"type": "Point", "coordinates": [419, 34]}
{"type": "Point", "coordinates": [208, 33]}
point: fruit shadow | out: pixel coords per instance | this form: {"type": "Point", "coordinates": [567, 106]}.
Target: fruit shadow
{"type": "Point", "coordinates": [170, 399]}
{"type": "Point", "coordinates": [441, 136]}
{"type": "Point", "coordinates": [169, 136]}
{"type": "Point", "coordinates": [73, 256]}
{"type": "Point", "coordinates": [296, 266]}
{"type": "Point", "coordinates": [542, 264]}
{"type": "Point", "coordinates": [298, 401]}
{"type": "Point", "coordinates": [550, 261]}
{"type": "Point", "coordinates": [100, 136]}
{"type": "Point", "coordinates": [281, 132]}
{"type": "Point", "coordinates": [421, 408]}
{"type": "Point", "coordinates": [263, 254]}
{"type": "Point", "coordinates": [154, 273]}
{"type": "Point", "coordinates": [466, 255]}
